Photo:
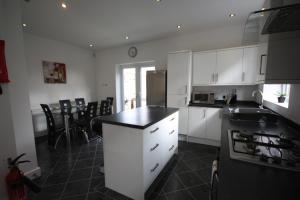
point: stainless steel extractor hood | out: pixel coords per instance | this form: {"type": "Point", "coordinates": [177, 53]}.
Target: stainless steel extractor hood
{"type": "Point", "coordinates": [278, 26]}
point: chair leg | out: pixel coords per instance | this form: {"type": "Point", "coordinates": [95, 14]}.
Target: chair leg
{"type": "Point", "coordinates": [86, 137]}
{"type": "Point", "coordinates": [57, 140]}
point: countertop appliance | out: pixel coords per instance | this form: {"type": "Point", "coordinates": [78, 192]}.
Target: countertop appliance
{"type": "Point", "coordinates": [156, 84]}
{"type": "Point", "coordinates": [265, 148]}
{"type": "Point", "coordinates": [203, 97]}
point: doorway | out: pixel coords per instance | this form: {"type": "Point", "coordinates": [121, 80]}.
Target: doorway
{"type": "Point", "coordinates": [133, 85]}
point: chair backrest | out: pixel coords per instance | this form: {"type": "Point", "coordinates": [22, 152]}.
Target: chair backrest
{"type": "Point", "coordinates": [80, 103]}
{"type": "Point", "coordinates": [91, 110]}
{"type": "Point", "coordinates": [110, 100]}
{"type": "Point", "coordinates": [50, 124]}
{"type": "Point", "coordinates": [65, 106]}
{"type": "Point", "coordinates": [105, 108]}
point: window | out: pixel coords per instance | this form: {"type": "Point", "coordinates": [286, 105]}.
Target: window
{"type": "Point", "coordinates": [277, 94]}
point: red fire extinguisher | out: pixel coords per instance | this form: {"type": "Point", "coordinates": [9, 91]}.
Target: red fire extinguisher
{"type": "Point", "coordinates": [16, 181]}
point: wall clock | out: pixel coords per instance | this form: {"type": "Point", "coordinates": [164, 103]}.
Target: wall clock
{"type": "Point", "coordinates": [132, 52]}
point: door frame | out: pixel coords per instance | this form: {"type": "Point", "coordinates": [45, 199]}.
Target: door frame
{"type": "Point", "coordinates": [119, 82]}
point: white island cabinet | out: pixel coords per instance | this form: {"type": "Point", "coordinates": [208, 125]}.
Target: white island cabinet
{"type": "Point", "coordinates": [137, 145]}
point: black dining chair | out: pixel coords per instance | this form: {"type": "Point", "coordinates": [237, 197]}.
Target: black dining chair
{"type": "Point", "coordinates": [111, 103]}
{"type": "Point", "coordinates": [80, 105]}
{"type": "Point", "coordinates": [84, 124]}
{"type": "Point", "coordinates": [105, 108]}
{"type": "Point", "coordinates": [54, 132]}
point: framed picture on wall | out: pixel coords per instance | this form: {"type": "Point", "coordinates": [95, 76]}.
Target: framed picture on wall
{"type": "Point", "coordinates": [54, 72]}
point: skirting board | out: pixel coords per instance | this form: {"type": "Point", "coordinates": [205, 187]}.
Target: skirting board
{"type": "Point", "coordinates": [199, 140]}
{"type": "Point", "coordinates": [33, 173]}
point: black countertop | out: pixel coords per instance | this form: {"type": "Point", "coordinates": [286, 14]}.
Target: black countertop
{"type": "Point", "coordinates": [222, 104]}
{"type": "Point", "coordinates": [139, 118]}
{"type": "Point", "coordinates": [245, 181]}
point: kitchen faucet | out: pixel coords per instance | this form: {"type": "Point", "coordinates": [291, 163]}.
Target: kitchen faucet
{"type": "Point", "coordinates": [255, 92]}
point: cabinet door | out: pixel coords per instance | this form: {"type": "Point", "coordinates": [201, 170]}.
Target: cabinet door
{"type": "Point", "coordinates": [179, 72]}
{"type": "Point", "coordinates": [229, 66]}
{"type": "Point", "coordinates": [213, 123]}
{"type": "Point", "coordinates": [197, 124]}
{"type": "Point", "coordinates": [250, 67]}
{"type": "Point", "coordinates": [204, 66]}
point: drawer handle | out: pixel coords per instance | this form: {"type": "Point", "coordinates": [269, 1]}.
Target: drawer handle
{"type": "Point", "coordinates": [172, 119]}
{"type": "Point", "coordinates": [153, 131]}
{"type": "Point", "coordinates": [172, 147]}
{"type": "Point", "coordinates": [153, 148]}
{"type": "Point", "coordinates": [155, 167]}
{"type": "Point", "coordinates": [171, 132]}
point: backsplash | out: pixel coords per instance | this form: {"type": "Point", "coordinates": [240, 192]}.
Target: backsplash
{"type": "Point", "coordinates": [244, 92]}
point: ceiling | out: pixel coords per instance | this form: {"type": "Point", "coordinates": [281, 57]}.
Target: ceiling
{"type": "Point", "coordinates": [105, 23]}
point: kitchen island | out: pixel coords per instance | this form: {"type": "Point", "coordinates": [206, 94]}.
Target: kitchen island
{"type": "Point", "coordinates": [137, 145]}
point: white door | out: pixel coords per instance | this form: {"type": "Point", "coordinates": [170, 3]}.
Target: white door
{"type": "Point", "coordinates": [197, 122]}
{"type": "Point", "coordinates": [204, 66]}
{"type": "Point", "coordinates": [213, 123]}
{"type": "Point", "coordinates": [229, 66]}
{"type": "Point", "coordinates": [178, 72]}
{"type": "Point", "coordinates": [250, 67]}
{"type": "Point", "coordinates": [134, 88]}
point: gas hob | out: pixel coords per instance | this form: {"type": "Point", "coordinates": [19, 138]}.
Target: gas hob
{"type": "Point", "coordinates": [265, 149]}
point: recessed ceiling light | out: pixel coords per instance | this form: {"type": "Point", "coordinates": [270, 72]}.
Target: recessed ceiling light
{"type": "Point", "coordinates": [126, 37]}
{"type": "Point", "coordinates": [24, 25]}
{"type": "Point", "coordinates": [231, 15]}
{"type": "Point", "coordinates": [64, 5]}
{"type": "Point", "coordinates": [91, 45]}
{"type": "Point", "coordinates": [178, 26]}
{"type": "Point", "coordinates": [158, 1]}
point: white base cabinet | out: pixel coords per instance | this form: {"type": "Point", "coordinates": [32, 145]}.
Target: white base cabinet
{"type": "Point", "coordinates": [205, 123]}
{"type": "Point", "coordinates": [133, 158]}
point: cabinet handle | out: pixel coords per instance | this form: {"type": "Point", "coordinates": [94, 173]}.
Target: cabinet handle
{"type": "Point", "coordinates": [212, 77]}
{"type": "Point", "coordinates": [172, 147]}
{"type": "Point", "coordinates": [186, 88]}
{"type": "Point", "coordinates": [261, 62]}
{"type": "Point", "coordinates": [217, 77]}
{"type": "Point", "coordinates": [172, 119]}
{"type": "Point", "coordinates": [171, 132]}
{"type": "Point", "coordinates": [243, 76]}
{"type": "Point", "coordinates": [153, 148]}
{"type": "Point", "coordinates": [155, 167]}
{"type": "Point", "coordinates": [153, 131]}
{"type": "Point", "coordinates": [204, 114]}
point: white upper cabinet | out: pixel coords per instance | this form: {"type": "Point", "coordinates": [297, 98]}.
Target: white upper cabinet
{"type": "Point", "coordinates": [229, 66]}
{"type": "Point", "coordinates": [179, 73]}
{"type": "Point", "coordinates": [250, 65]}
{"type": "Point", "coordinates": [204, 66]}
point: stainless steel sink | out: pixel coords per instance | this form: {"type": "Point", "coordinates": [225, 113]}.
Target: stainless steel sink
{"type": "Point", "coordinates": [253, 114]}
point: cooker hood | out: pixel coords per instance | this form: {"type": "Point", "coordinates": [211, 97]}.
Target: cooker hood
{"type": "Point", "coordinates": [277, 26]}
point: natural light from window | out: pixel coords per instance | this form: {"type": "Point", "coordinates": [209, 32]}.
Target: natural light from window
{"type": "Point", "coordinates": [277, 94]}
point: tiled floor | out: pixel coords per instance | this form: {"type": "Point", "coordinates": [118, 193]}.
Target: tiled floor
{"type": "Point", "coordinates": [75, 175]}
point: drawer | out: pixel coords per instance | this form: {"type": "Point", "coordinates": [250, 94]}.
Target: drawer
{"type": "Point", "coordinates": [152, 167]}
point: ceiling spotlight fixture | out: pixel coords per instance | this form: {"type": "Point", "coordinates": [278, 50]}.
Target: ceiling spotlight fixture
{"type": "Point", "coordinates": [178, 26]}
{"type": "Point", "coordinates": [91, 45]}
{"type": "Point", "coordinates": [64, 5]}
{"type": "Point", "coordinates": [231, 15]}
{"type": "Point", "coordinates": [126, 37]}
{"type": "Point", "coordinates": [158, 1]}
{"type": "Point", "coordinates": [24, 25]}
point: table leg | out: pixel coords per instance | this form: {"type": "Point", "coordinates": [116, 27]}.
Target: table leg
{"type": "Point", "coordinates": [66, 118]}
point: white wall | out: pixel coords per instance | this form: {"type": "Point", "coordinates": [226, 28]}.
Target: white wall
{"type": "Point", "coordinates": [293, 111]}
{"type": "Point", "coordinates": [157, 50]}
{"type": "Point", "coordinates": [80, 64]}
{"type": "Point", "coordinates": [16, 125]}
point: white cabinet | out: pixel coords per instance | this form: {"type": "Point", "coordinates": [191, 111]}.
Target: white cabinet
{"type": "Point", "coordinates": [204, 66]}
{"type": "Point", "coordinates": [229, 66]}
{"type": "Point", "coordinates": [179, 72]}
{"type": "Point", "coordinates": [250, 65]}
{"type": "Point", "coordinates": [213, 123]}
{"type": "Point", "coordinates": [205, 123]}
{"type": "Point", "coordinates": [179, 85]}
{"type": "Point", "coordinates": [197, 122]}
{"type": "Point", "coordinates": [235, 66]}
{"type": "Point", "coordinates": [133, 158]}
